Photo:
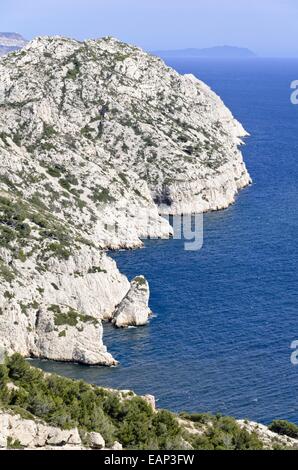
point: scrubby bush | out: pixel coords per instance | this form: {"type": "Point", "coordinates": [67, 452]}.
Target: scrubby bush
{"type": "Point", "coordinates": [222, 433]}
{"type": "Point", "coordinates": [129, 419]}
{"type": "Point", "coordinates": [69, 403]}
{"type": "Point", "coordinates": [285, 428]}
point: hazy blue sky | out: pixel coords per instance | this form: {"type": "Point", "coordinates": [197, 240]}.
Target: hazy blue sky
{"type": "Point", "coordinates": [269, 27]}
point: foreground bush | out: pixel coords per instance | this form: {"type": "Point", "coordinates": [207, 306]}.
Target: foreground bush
{"type": "Point", "coordinates": [69, 403]}
{"type": "Point", "coordinates": [126, 418]}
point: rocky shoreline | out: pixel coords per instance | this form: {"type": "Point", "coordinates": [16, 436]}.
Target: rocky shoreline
{"type": "Point", "coordinates": [97, 140]}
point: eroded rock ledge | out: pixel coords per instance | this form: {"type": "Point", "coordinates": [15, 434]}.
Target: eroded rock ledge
{"type": "Point", "coordinates": [19, 433]}
{"type": "Point", "coordinates": [97, 140]}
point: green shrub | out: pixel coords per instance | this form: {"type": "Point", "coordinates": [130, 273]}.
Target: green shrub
{"type": "Point", "coordinates": [102, 195]}
{"type": "Point", "coordinates": [60, 250]}
{"type": "Point", "coordinates": [13, 444]}
{"type": "Point", "coordinates": [224, 433]}
{"type": "Point", "coordinates": [54, 171]}
{"type": "Point", "coordinates": [140, 281]}
{"type": "Point", "coordinates": [96, 269]}
{"type": "Point", "coordinates": [6, 272]}
{"type": "Point", "coordinates": [285, 428]}
{"type": "Point", "coordinates": [70, 403]}
{"type": "Point", "coordinates": [87, 132]}
{"type": "Point", "coordinates": [70, 318]}
{"type": "Point", "coordinates": [74, 72]}
{"type": "Point", "coordinates": [202, 418]}
{"type": "Point", "coordinates": [22, 256]}
{"type": "Point", "coordinates": [48, 131]}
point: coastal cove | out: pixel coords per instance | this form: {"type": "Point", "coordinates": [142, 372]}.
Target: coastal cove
{"type": "Point", "coordinates": [227, 314]}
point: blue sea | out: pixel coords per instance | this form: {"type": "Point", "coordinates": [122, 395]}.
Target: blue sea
{"type": "Point", "coordinates": [225, 315]}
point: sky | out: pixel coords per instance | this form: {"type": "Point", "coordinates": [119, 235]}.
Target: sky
{"type": "Point", "coordinates": [268, 27]}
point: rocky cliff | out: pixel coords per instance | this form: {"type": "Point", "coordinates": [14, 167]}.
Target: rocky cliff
{"type": "Point", "coordinates": [97, 140]}
{"type": "Point", "coordinates": [10, 42]}
{"type": "Point", "coordinates": [30, 434]}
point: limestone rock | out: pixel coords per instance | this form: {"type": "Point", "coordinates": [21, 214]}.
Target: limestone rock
{"type": "Point", "coordinates": [150, 399]}
{"type": "Point", "coordinates": [17, 432]}
{"type": "Point", "coordinates": [117, 446]}
{"type": "Point", "coordinates": [58, 437]}
{"type": "Point", "coordinates": [270, 439]}
{"type": "Point", "coordinates": [133, 309]}
{"type": "Point", "coordinates": [96, 441]}
{"type": "Point", "coordinates": [56, 315]}
{"type": "Point", "coordinates": [67, 335]}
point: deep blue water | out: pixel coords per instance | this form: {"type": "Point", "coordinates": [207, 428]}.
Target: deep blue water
{"type": "Point", "coordinates": [227, 314]}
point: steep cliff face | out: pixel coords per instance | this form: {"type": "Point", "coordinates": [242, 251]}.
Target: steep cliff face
{"type": "Point", "coordinates": [97, 139]}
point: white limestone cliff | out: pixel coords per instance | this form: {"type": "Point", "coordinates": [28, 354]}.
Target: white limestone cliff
{"type": "Point", "coordinates": [97, 140]}
{"type": "Point", "coordinates": [32, 434]}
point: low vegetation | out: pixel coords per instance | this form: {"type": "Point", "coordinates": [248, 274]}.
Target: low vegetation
{"type": "Point", "coordinates": [118, 416]}
{"type": "Point", "coordinates": [69, 316]}
{"type": "Point", "coordinates": [24, 226]}
{"type": "Point", "coordinates": [221, 433]}
{"type": "Point", "coordinates": [284, 428]}
{"type": "Point", "coordinates": [68, 403]}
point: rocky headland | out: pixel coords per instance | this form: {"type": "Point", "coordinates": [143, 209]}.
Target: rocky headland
{"type": "Point", "coordinates": [98, 140]}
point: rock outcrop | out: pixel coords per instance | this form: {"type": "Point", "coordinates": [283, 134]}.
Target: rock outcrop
{"type": "Point", "coordinates": [97, 140]}
{"type": "Point", "coordinates": [18, 433]}
{"type": "Point", "coordinates": [31, 434]}
{"type": "Point", "coordinates": [133, 310]}
{"type": "Point", "coordinates": [270, 439]}
{"type": "Point", "coordinates": [57, 313]}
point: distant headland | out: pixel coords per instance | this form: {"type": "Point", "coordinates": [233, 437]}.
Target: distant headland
{"type": "Point", "coordinates": [10, 42]}
{"type": "Point", "coordinates": [218, 52]}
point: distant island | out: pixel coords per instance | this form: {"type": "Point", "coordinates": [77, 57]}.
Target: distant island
{"type": "Point", "coordinates": [10, 42]}
{"type": "Point", "coordinates": [218, 52]}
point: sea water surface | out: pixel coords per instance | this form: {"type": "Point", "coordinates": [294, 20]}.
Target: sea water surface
{"type": "Point", "coordinates": [227, 314]}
